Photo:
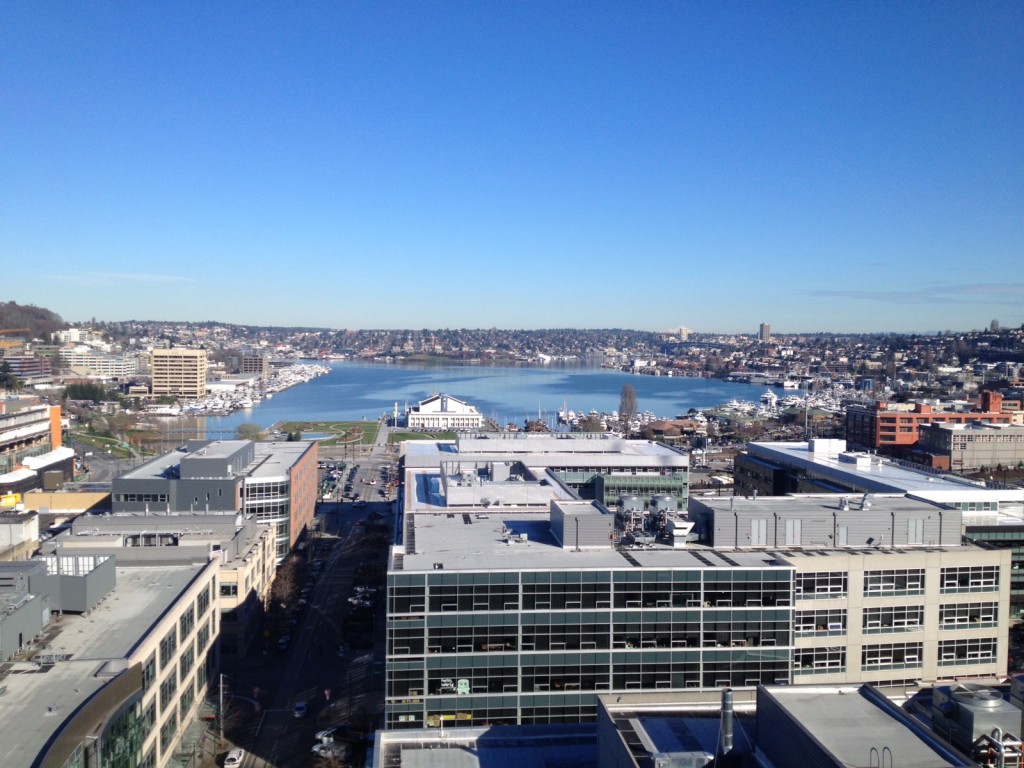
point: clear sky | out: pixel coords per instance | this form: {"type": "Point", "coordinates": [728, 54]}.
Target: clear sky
{"type": "Point", "coordinates": [847, 166]}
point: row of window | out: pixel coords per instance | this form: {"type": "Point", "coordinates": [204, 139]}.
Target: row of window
{"type": "Point", "coordinates": [897, 582]}
{"type": "Point", "coordinates": [896, 655]}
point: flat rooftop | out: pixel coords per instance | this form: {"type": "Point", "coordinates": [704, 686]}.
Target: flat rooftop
{"type": "Point", "coordinates": [870, 471]}
{"type": "Point", "coordinates": [545, 450]}
{"type": "Point", "coordinates": [492, 540]}
{"type": "Point", "coordinates": [507, 746]}
{"type": "Point", "coordinates": [271, 459]}
{"type": "Point", "coordinates": [848, 722]}
{"type": "Point", "coordinates": [84, 654]}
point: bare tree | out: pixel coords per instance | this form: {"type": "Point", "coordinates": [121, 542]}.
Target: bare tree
{"type": "Point", "coordinates": [627, 407]}
{"type": "Point", "coordinates": [249, 431]}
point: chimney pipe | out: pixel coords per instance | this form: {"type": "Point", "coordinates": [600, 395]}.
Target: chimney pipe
{"type": "Point", "coordinates": [727, 725]}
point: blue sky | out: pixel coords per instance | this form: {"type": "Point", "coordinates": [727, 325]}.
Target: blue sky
{"type": "Point", "coordinates": [849, 166]}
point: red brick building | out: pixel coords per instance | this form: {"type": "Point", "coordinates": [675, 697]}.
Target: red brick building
{"type": "Point", "coordinates": [893, 428]}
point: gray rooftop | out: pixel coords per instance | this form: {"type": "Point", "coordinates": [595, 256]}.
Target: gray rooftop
{"type": "Point", "coordinates": [272, 459]}
{"type": "Point", "coordinates": [875, 474]}
{"type": "Point", "coordinates": [88, 650]}
{"type": "Point", "coordinates": [848, 722]}
{"type": "Point", "coordinates": [546, 450]}
{"type": "Point", "coordinates": [481, 544]}
{"type": "Point", "coordinates": [537, 746]}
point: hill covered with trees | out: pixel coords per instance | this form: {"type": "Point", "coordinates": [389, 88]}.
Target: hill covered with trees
{"type": "Point", "coordinates": [39, 322]}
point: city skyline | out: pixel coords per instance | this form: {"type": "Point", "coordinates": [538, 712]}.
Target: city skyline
{"type": "Point", "coordinates": [836, 167]}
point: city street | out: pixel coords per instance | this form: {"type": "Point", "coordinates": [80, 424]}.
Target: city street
{"type": "Point", "coordinates": [335, 661]}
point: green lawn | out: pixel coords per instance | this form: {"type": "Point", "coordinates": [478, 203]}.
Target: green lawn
{"type": "Point", "coordinates": [343, 432]}
{"type": "Point", "coordinates": [397, 437]}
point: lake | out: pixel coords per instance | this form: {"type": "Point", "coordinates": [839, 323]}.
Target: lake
{"type": "Point", "coordinates": [353, 391]}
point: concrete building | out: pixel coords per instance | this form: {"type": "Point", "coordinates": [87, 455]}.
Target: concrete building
{"type": "Point", "coordinates": [764, 333]}
{"type": "Point", "coordinates": [445, 413]}
{"type": "Point", "coordinates": [243, 547]}
{"type": "Point", "coordinates": [178, 372]}
{"type": "Point", "coordinates": [257, 364]}
{"type": "Point", "coordinates": [276, 482]}
{"type": "Point", "coordinates": [884, 591]}
{"type": "Point", "coordinates": [125, 681]}
{"type": "Point", "coordinates": [992, 515]}
{"type": "Point", "coordinates": [524, 611]}
{"type": "Point", "coordinates": [969, 447]}
{"type": "Point", "coordinates": [528, 469]}
{"type": "Point", "coordinates": [91, 363]}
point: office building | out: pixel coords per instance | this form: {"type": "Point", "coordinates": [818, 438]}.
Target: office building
{"type": "Point", "coordinates": [992, 515]}
{"type": "Point", "coordinates": [894, 428]}
{"type": "Point", "coordinates": [525, 610]}
{"type": "Point", "coordinates": [255, 364]}
{"type": "Point", "coordinates": [243, 547]}
{"type": "Point", "coordinates": [276, 482]}
{"type": "Point", "coordinates": [119, 679]}
{"type": "Point", "coordinates": [764, 333]}
{"type": "Point", "coordinates": [969, 447]}
{"type": "Point", "coordinates": [178, 373]}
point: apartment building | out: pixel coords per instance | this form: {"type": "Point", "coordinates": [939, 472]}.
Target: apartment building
{"type": "Point", "coordinates": [178, 372]}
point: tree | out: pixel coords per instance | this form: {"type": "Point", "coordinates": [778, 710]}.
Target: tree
{"type": "Point", "coordinates": [7, 378]}
{"type": "Point", "coordinates": [248, 431]}
{"type": "Point", "coordinates": [627, 407]}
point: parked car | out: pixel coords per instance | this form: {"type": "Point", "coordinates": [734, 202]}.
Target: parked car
{"type": "Point", "coordinates": [337, 751]}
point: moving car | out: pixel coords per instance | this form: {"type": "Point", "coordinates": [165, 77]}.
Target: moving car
{"type": "Point", "coordinates": [301, 709]}
{"type": "Point", "coordinates": [235, 758]}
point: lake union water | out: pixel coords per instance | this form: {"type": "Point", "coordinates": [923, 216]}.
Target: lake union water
{"type": "Point", "coordinates": [353, 391]}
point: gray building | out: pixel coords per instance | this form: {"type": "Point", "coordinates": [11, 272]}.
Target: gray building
{"type": "Point", "coordinates": [275, 482]}
{"type": "Point", "coordinates": [517, 614]}
{"type": "Point", "coordinates": [969, 447]}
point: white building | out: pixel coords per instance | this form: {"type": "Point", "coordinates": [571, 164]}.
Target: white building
{"type": "Point", "coordinates": [444, 412]}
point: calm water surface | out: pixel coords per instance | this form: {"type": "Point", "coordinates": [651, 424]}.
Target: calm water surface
{"type": "Point", "coordinates": [353, 391]}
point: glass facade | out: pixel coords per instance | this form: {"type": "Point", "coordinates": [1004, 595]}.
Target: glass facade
{"type": "Point", "coordinates": [473, 648]}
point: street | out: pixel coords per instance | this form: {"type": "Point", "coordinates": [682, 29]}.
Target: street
{"type": "Point", "coordinates": [335, 660]}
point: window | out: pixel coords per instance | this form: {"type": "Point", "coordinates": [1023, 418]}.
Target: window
{"type": "Point", "coordinates": [187, 621]}
{"type": "Point", "coordinates": [894, 582]}
{"type": "Point", "coordinates": [149, 673]}
{"type": "Point", "coordinates": [811, 586]}
{"type": "Point", "coordinates": [228, 589]}
{"type": "Point", "coordinates": [203, 601]}
{"type": "Point", "coordinates": [891, 656]}
{"type": "Point", "coordinates": [971, 578]}
{"type": "Point", "coordinates": [905, 618]}
{"type": "Point", "coordinates": [968, 615]}
{"type": "Point", "coordinates": [168, 646]}
{"type": "Point", "coordinates": [968, 651]}
{"type": "Point", "coordinates": [818, 661]}
{"type": "Point", "coordinates": [830, 621]}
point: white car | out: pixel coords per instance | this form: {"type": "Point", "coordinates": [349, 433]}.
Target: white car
{"type": "Point", "coordinates": [235, 758]}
